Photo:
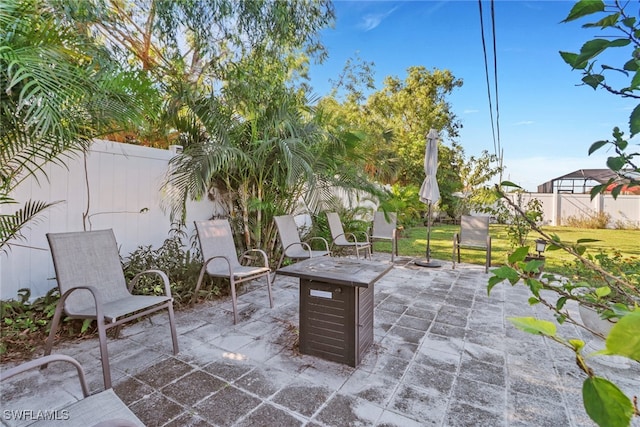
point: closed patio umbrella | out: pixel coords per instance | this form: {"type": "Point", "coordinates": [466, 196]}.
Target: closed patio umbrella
{"type": "Point", "coordinates": [429, 192]}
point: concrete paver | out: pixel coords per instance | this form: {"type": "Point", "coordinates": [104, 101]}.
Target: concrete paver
{"type": "Point", "coordinates": [444, 354]}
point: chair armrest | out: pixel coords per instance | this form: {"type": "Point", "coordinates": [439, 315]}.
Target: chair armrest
{"type": "Point", "coordinates": [326, 244]}
{"type": "Point", "coordinates": [366, 236]}
{"type": "Point", "coordinates": [261, 252]}
{"type": "Point", "coordinates": [304, 245]}
{"type": "Point", "coordinates": [355, 238]}
{"type": "Point", "coordinates": [163, 276]}
{"type": "Point", "coordinates": [36, 363]}
{"type": "Point", "coordinates": [204, 265]}
{"type": "Point", "coordinates": [95, 293]}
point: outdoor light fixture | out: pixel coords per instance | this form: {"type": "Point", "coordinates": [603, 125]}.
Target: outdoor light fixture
{"type": "Point", "coordinates": [541, 245]}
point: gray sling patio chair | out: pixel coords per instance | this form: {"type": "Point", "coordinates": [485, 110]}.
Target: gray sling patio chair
{"type": "Point", "coordinates": [92, 286]}
{"type": "Point", "coordinates": [474, 234]}
{"type": "Point", "coordinates": [292, 247]}
{"type": "Point", "coordinates": [347, 240]}
{"type": "Point", "coordinates": [384, 227]}
{"type": "Point", "coordinates": [103, 409]}
{"type": "Point", "coordinates": [221, 259]}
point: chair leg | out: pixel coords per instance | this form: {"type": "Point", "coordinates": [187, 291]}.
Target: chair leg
{"type": "Point", "coordinates": [234, 302]}
{"type": "Point", "coordinates": [174, 333]}
{"type": "Point", "coordinates": [273, 279]}
{"type": "Point", "coordinates": [269, 290]}
{"type": "Point", "coordinates": [104, 355]}
{"type": "Point", "coordinates": [52, 332]}
{"type": "Point", "coordinates": [203, 270]}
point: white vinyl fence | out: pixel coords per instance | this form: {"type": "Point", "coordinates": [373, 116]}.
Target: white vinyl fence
{"type": "Point", "coordinates": [120, 190]}
{"type": "Point", "coordinates": [557, 207]}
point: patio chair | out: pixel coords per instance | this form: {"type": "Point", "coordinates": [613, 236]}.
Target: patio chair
{"type": "Point", "coordinates": [384, 228]}
{"type": "Point", "coordinates": [103, 409]}
{"type": "Point", "coordinates": [292, 247]}
{"type": "Point", "coordinates": [346, 240]}
{"type": "Point", "coordinates": [474, 234]}
{"type": "Point", "coordinates": [221, 259]}
{"type": "Point", "coordinates": [92, 286]}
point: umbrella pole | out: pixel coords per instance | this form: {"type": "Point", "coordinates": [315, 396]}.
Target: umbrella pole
{"type": "Point", "coordinates": [428, 254]}
{"type": "Point", "coordinates": [427, 262]}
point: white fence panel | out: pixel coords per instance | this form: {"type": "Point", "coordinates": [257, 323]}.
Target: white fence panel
{"type": "Point", "coordinates": [558, 207]}
{"type": "Point", "coordinates": [624, 211]}
{"type": "Point", "coordinates": [122, 179]}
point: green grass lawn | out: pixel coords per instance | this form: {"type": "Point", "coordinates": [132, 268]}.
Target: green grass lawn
{"type": "Point", "coordinates": [413, 242]}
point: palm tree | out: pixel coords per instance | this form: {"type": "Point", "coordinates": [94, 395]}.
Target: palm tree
{"type": "Point", "coordinates": [59, 90]}
{"type": "Point", "coordinates": [257, 160]}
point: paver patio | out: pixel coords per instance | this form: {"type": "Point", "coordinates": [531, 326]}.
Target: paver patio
{"type": "Point", "coordinates": [444, 354]}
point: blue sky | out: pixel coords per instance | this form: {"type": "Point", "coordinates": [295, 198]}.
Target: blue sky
{"type": "Point", "coordinates": [547, 122]}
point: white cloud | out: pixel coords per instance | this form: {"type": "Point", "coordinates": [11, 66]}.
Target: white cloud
{"type": "Point", "coordinates": [524, 123]}
{"type": "Point", "coordinates": [372, 20]}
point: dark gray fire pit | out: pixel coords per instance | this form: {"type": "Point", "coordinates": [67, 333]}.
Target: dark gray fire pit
{"type": "Point", "coordinates": [336, 306]}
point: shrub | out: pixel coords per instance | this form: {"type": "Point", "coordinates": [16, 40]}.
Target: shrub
{"type": "Point", "coordinates": [181, 265]}
{"type": "Point", "coordinates": [589, 219]}
{"type": "Point", "coordinates": [626, 225]}
{"type": "Point", "coordinates": [25, 324]}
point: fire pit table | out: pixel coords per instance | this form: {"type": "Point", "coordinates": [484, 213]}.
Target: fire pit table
{"type": "Point", "coordinates": [336, 306]}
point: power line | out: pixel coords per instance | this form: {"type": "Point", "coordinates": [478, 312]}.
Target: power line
{"type": "Point", "coordinates": [495, 123]}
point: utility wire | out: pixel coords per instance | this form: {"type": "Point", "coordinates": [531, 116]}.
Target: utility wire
{"type": "Point", "coordinates": [486, 73]}
{"type": "Point", "coordinates": [495, 77]}
{"type": "Point", "coordinates": [495, 124]}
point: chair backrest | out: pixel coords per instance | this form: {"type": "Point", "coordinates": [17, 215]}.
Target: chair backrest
{"type": "Point", "coordinates": [87, 258]}
{"type": "Point", "coordinates": [384, 224]}
{"type": "Point", "coordinates": [288, 232]}
{"type": "Point", "coordinates": [474, 230]}
{"type": "Point", "coordinates": [216, 239]}
{"type": "Point", "coordinates": [337, 232]}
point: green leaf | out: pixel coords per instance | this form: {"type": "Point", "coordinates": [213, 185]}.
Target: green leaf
{"type": "Point", "coordinates": [616, 163]}
{"type": "Point", "coordinates": [577, 344]}
{"type": "Point", "coordinates": [596, 146]}
{"type": "Point", "coordinates": [534, 326]}
{"type": "Point", "coordinates": [593, 80]}
{"type": "Point", "coordinates": [602, 291]}
{"type": "Point", "coordinates": [624, 338]}
{"type": "Point", "coordinates": [533, 301]}
{"type": "Point", "coordinates": [629, 22]}
{"type": "Point", "coordinates": [617, 190]}
{"type": "Point", "coordinates": [584, 8]}
{"type": "Point", "coordinates": [631, 65]}
{"type": "Point", "coordinates": [607, 21]}
{"type": "Point", "coordinates": [634, 121]}
{"type": "Point", "coordinates": [493, 280]}
{"type": "Point", "coordinates": [605, 403]}
{"type": "Point", "coordinates": [619, 43]}
{"type": "Point", "coordinates": [533, 266]}
{"type": "Point", "coordinates": [587, 240]}
{"type": "Point", "coordinates": [505, 273]}
{"type": "Point", "coordinates": [518, 255]}
{"type": "Point", "coordinates": [509, 184]}
{"type": "Point", "coordinates": [592, 48]}
{"type": "Point", "coordinates": [597, 189]}
{"type": "Point", "coordinates": [572, 60]}
{"type": "Point", "coordinates": [561, 302]}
